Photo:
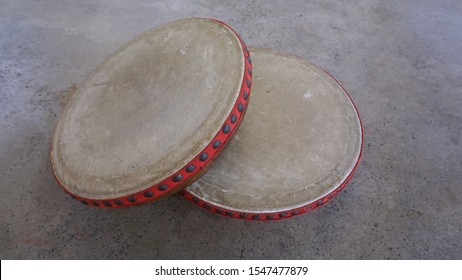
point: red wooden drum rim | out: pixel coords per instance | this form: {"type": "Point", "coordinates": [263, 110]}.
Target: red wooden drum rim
{"type": "Point", "coordinates": [278, 215]}
{"type": "Point", "coordinates": [193, 169]}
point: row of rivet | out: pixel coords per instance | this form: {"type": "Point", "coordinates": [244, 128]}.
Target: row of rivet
{"type": "Point", "coordinates": [273, 216]}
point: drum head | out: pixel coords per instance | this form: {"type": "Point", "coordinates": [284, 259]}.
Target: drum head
{"type": "Point", "coordinates": [154, 115]}
{"type": "Point", "coordinates": [298, 146]}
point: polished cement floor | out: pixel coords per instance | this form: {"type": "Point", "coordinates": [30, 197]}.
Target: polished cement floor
{"type": "Point", "coordinates": [401, 61]}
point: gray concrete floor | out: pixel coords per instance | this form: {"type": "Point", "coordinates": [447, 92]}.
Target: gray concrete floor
{"type": "Point", "coordinates": [401, 61]}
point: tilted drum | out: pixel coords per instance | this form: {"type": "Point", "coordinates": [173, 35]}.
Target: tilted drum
{"type": "Point", "coordinates": [154, 115]}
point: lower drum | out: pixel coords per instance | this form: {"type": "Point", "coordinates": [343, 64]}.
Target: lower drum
{"type": "Point", "coordinates": [298, 146]}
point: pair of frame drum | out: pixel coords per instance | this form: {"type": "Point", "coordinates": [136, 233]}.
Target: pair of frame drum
{"type": "Point", "coordinates": [153, 118]}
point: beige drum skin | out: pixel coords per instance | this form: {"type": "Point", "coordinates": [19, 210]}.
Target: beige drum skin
{"type": "Point", "coordinates": [298, 146]}
{"type": "Point", "coordinates": [154, 115]}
